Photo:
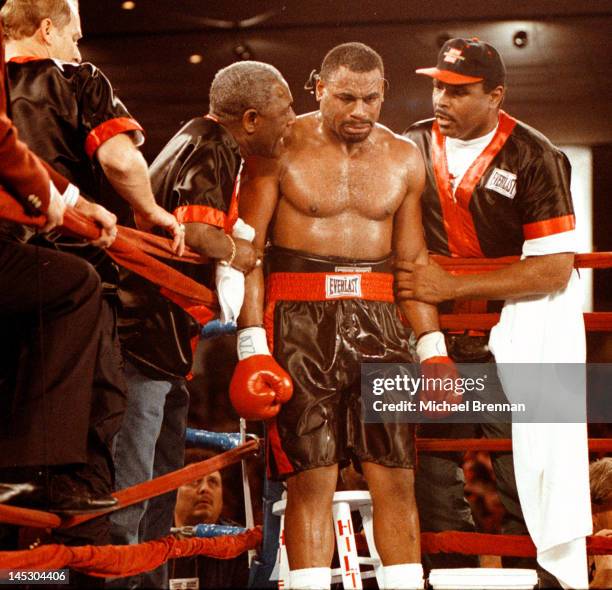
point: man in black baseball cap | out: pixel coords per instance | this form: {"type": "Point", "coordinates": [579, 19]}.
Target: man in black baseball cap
{"type": "Point", "coordinates": [496, 187]}
{"type": "Point", "coordinates": [468, 88]}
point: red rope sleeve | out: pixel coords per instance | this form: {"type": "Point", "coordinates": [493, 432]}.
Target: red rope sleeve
{"type": "Point", "coordinates": [132, 249]}
{"type": "Point", "coordinates": [128, 560]}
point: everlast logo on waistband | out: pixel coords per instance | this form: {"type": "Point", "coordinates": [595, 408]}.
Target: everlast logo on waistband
{"type": "Point", "coordinates": [502, 182]}
{"type": "Point", "coordinates": [342, 286]}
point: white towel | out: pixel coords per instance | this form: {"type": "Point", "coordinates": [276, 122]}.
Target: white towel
{"type": "Point", "coordinates": [550, 460]}
{"type": "Point", "coordinates": [230, 281]}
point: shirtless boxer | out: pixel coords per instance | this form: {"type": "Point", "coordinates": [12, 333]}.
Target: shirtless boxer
{"type": "Point", "coordinates": [342, 199]}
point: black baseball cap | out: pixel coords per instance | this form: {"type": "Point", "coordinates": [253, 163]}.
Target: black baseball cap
{"type": "Point", "coordinates": [465, 61]}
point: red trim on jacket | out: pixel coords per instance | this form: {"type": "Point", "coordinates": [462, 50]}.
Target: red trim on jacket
{"type": "Point", "coordinates": [108, 129]}
{"type": "Point", "coordinates": [22, 59]}
{"type": "Point", "coordinates": [548, 227]}
{"type": "Point", "coordinates": [200, 214]}
{"type": "Point", "coordinates": [210, 215]}
{"type": "Point", "coordinates": [458, 221]}
{"type": "Point", "coordinates": [232, 214]}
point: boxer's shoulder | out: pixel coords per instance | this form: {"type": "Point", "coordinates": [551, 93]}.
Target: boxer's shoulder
{"type": "Point", "coordinates": [306, 125]}
{"type": "Point", "coordinates": [397, 146]}
{"type": "Point", "coordinates": [304, 132]}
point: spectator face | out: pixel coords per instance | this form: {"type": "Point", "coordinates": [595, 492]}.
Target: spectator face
{"type": "Point", "coordinates": [200, 501]}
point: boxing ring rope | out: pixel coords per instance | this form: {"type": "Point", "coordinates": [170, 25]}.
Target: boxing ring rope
{"type": "Point", "coordinates": [597, 260]}
{"type": "Point", "coordinates": [594, 322]}
{"type": "Point", "coordinates": [219, 441]}
{"type": "Point", "coordinates": [28, 517]}
{"type": "Point", "coordinates": [127, 560]}
{"type": "Point", "coordinates": [226, 440]}
{"type": "Point", "coordinates": [132, 559]}
{"type": "Point", "coordinates": [491, 444]}
{"type": "Point", "coordinates": [443, 542]}
{"type": "Point", "coordinates": [503, 545]}
{"type": "Point", "coordinates": [135, 250]}
{"type": "Point", "coordinates": [171, 481]}
{"type": "Point", "coordinates": [133, 495]}
{"type": "Point", "coordinates": [600, 321]}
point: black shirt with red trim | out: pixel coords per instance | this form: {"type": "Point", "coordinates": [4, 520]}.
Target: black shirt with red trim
{"type": "Point", "coordinates": [195, 177]}
{"type": "Point", "coordinates": [64, 112]}
{"type": "Point", "coordinates": [517, 189]}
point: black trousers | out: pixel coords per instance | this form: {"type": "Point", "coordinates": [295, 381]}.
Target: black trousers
{"type": "Point", "coordinates": [439, 488]}
{"type": "Point", "coordinates": [50, 310]}
{"type": "Point", "coordinates": [107, 409]}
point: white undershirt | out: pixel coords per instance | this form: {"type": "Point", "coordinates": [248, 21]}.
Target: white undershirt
{"type": "Point", "coordinates": [461, 154]}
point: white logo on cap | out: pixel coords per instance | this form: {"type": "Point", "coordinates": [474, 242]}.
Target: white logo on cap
{"type": "Point", "coordinates": [453, 55]}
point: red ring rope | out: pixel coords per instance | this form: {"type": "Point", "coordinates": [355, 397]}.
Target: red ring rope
{"type": "Point", "coordinates": [133, 495]}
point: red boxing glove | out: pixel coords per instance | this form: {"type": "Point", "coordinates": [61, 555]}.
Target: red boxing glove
{"type": "Point", "coordinates": [440, 375]}
{"type": "Point", "coordinates": [259, 386]}
{"type": "Point", "coordinates": [438, 392]}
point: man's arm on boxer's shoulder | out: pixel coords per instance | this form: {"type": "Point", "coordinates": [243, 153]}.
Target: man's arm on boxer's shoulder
{"type": "Point", "coordinates": [259, 196]}
{"type": "Point", "coordinates": [409, 243]}
{"type": "Point", "coordinates": [532, 276]}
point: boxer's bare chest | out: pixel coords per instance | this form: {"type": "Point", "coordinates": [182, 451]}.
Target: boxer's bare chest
{"type": "Point", "coordinates": [327, 183]}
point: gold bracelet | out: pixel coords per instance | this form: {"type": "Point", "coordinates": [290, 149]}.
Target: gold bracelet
{"type": "Point", "coordinates": [232, 255]}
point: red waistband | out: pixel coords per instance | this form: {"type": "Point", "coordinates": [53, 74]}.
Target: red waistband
{"type": "Point", "coordinates": [321, 286]}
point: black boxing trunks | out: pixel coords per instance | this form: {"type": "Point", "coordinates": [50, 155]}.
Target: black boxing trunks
{"type": "Point", "coordinates": [324, 317]}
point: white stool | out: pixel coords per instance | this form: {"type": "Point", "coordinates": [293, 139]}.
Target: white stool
{"type": "Point", "coordinates": [349, 571]}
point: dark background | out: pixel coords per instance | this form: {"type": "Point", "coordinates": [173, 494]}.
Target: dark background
{"type": "Point", "coordinates": [559, 82]}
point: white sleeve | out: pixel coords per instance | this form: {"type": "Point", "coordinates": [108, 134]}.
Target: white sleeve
{"type": "Point", "coordinates": [566, 241]}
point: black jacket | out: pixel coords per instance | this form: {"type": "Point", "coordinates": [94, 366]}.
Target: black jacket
{"type": "Point", "coordinates": [194, 177]}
